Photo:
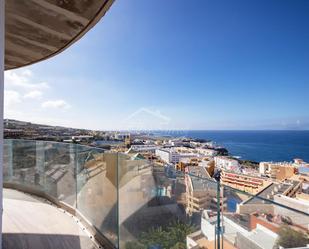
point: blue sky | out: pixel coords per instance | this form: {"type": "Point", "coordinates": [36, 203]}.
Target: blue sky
{"type": "Point", "coordinates": [176, 65]}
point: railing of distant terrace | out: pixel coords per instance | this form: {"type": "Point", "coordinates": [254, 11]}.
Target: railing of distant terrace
{"type": "Point", "coordinates": [128, 202]}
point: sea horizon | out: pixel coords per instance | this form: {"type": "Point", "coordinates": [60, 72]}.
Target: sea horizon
{"type": "Point", "coordinates": [256, 145]}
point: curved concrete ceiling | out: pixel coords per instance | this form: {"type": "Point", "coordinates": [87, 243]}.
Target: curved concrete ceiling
{"type": "Point", "coordinates": [39, 29]}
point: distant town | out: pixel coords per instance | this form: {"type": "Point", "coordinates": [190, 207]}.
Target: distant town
{"type": "Point", "coordinates": [197, 161]}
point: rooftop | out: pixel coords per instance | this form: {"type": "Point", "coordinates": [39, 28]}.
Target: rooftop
{"type": "Point", "coordinates": [263, 238]}
{"type": "Point", "coordinates": [268, 192]}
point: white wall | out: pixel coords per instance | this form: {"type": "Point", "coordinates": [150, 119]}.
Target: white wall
{"type": "Point", "coordinates": [208, 229]}
{"type": "Point", "coordinates": [164, 155]}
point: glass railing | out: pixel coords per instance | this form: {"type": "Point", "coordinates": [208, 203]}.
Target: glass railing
{"type": "Point", "coordinates": [82, 178]}
{"type": "Point", "coordinates": [134, 203]}
{"type": "Point", "coordinates": [269, 219]}
{"type": "Point", "coordinates": [152, 207]}
{"type": "Point", "coordinates": [277, 216]}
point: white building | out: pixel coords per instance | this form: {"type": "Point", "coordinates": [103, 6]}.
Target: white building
{"type": "Point", "coordinates": [227, 163]}
{"type": "Point", "coordinates": [207, 152]}
{"type": "Point", "coordinates": [145, 148]}
{"type": "Point", "coordinates": [82, 138]}
{"type": "Point", "coordinates": [234, 234]}
{"type": "Point", "coordinates": [168, 155]}
{"type": "Point", "coordinates": [121, 136]}
{"type": "Point", "coordinates": [182, 154]}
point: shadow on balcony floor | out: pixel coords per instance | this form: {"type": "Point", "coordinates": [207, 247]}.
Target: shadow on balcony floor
{"type": "Point", "coordinates": [31, 223]}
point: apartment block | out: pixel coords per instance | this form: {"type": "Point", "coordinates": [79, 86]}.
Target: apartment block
{"type": "Point", "coordinates": [279, 171]}
{"type": "Point", "coordinates": [201, 191]}
{"type": "Point", "coordinates": [250, 184]}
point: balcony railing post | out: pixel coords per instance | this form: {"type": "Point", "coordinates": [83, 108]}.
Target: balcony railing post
{"type": "Point", "coordinates": [1, 108]}
{"type": "Point", "coordinates": [9, 143]}
{"type": "Point", "coordinates": [40, 163]}
{"type": "Point", "coordinates": [73, 150]}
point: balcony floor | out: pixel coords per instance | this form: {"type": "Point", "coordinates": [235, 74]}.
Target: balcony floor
{"type": "Point", "coordinates": [31, 223]}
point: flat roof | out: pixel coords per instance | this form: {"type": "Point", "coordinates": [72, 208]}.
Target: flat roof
{"type": "Point", "coordinates": [268, 191]}
{"type": "Point", "coordinates": [39, 29]}
{"type": "Point", "coordinates": [263, 239]}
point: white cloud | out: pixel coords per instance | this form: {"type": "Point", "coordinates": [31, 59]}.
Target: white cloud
{"type": "Point", "coordinates": [56, 104]}
{"type": "Point", "coordinates": [22, 79]}
{"type": "Point", "coordinates": [11, 98]}
{"type": "Point", "coordinates": [35, 94]}
{"type": "Point", "coordinates": [26, 72]}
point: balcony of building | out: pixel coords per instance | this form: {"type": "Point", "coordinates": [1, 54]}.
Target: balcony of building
{"type": "Point", "coordinates": [64, 195]}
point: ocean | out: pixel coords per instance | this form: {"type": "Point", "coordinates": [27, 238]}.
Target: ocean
{"type": "Point", "coordinates": [256, 145]}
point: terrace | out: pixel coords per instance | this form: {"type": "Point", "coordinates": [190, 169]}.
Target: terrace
{"type": "Point", "coordinates": [62, 195]}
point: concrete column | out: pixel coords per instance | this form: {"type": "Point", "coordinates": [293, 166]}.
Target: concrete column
{"type": "Point", "coordinates": [1, 109]}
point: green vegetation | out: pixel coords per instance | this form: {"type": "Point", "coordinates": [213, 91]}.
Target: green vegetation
{"type": "Point", "coordinates": [170, 237]}
{"type": "Point", "coordinates": [289, 238]}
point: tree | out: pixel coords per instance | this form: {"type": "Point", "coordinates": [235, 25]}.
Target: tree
{"type": "Point", "coordinates": [134, 245]}
{"type": "Point", "coordinates": [178, 232]}
{"type": "Point", "coordinates": [171, 237]}
{"type": "Point", "coordinates": [179, 245]}
{"type": "Point", "coordinates": [289, 237]}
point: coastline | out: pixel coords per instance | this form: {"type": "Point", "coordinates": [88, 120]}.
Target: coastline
{"type": "Point", "coordinates": [255, 146]}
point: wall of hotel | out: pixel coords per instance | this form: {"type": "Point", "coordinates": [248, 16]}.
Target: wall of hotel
{"type": "Point", "coordinates": [263, 167]}
{"type": "Point", "coordinates": [255, 208]}
{"type": "Point", "coordinates": [285, 172]}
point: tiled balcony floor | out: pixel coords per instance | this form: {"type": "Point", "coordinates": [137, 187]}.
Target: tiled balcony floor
{"type": "Point", "coordinates": [32, 223]}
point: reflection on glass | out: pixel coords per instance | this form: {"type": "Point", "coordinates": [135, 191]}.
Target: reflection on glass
{"type": "Point", "coordinates": [57, 160]}
{"type": "Point", "coordinates": [96, 189]}
{"type": "Point", "coordinates": [24, 168]}
{"type": "Point", "coordinates": [135, 203]}
{"type": "Point", "coordinates": [79, 176]}
{"type": "Point", "coordinates": [158, 208]}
